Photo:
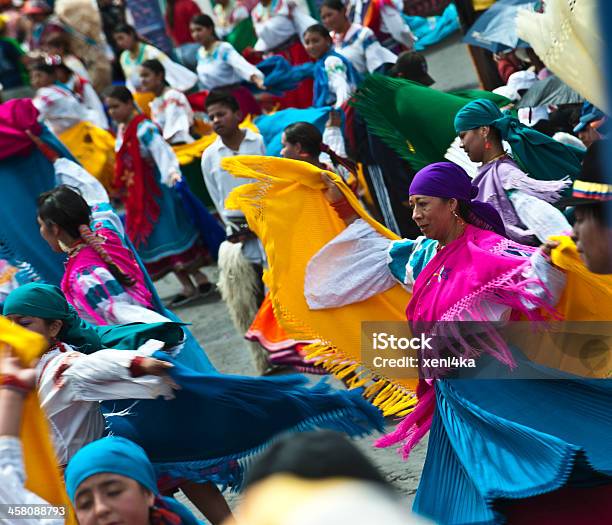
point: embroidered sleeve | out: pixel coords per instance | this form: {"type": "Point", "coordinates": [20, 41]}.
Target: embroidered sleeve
{"type": "Point", "coordinates": [161, 152]}
{"type": "Point", "coordinates": [350, 268]}
{"type": "Point", "coordinates": [338, 80]}
{"type": "Point", "coordinates": [243, 68]}
{"type": "Point", "coordinates": [105, 375]}
{"type": "Point", "coordinates": [178, 116]}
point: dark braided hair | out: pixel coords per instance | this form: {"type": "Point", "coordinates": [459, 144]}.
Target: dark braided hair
{"type": "Point", "coordinates": [66, 208]}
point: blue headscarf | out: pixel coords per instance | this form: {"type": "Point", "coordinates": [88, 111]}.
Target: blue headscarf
{"type": "Point", "coordinates": [321, 94]}
{"type": "Point", "coordinates": [542, 157]}
{"type": "Point", "coordinates": [117, 455]}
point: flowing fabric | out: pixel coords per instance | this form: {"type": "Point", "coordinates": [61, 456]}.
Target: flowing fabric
{"type": "Point", "coordinates": [41, 466]}
{"type": "Point", "coordinates": [20, 240]}
{"type": "Point", "coordinates": [433, 29]}
{"type": "Point", "coordinates": [94, 148]}
{"type": "Point", "coordinates": [16, 116]}
{"type": "Point", "coordinates": [272, 126]}
{"type": "Point", "coordinates": [265, 407]}
{"type": "Point", "coordinates": [134, 175]}
{"type": "Point", "coordinates": [210, 230]}
{"type": "Point", "coordinates": [87, 258]}
{"type": "Point", "coordinates": [414, 120]}
{"type": "Point", "coordinates": [283, 187]}
{"type": "Point", "coordinates": [282, 76]}
{"type": "Point", "coordinates": [542, 157]}
{"type": "Point", "coordinates": [243, 35]}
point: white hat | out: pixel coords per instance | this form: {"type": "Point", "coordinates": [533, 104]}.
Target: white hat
{"type": "Point", "coordinates": [531, 116]}
{"type": "Point", "coordinates": [522, 80]}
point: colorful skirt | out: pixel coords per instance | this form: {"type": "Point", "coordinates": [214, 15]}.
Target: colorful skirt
{"type": "Point", "coordinates": [282, 349]}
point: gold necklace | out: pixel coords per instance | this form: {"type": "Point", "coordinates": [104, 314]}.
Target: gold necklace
{"type": "Point", "coordinates": [504, 154]}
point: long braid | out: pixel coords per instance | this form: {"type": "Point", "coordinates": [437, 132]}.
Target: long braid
{"type": "Point", "coordinates": [97, 244]}
{"type": "Point", "coordinates": [337, 159]}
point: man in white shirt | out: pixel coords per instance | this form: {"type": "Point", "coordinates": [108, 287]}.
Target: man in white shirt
{"type": "Point", "coordinates": [225, 115]}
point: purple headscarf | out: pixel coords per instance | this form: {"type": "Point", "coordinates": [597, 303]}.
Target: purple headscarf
{"type": "Point", "coordinates": [449, 181]}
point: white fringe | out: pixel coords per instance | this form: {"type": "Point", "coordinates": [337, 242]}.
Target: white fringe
{"type": "Point", "coordinates": [238, 285]}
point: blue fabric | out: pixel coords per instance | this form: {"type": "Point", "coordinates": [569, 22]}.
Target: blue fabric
{"type": "Point", "coordinates": [321, 95]}
{"type": "Point", "coordinates": [210, 230]}
{"type": "Point", "coordinates": [408, 255]}
{"type": "Point", "coordinates": [433, 29]}
{"type": "Point", "coordinates": [23, 179]}
{"type": "Point", "coordinates": [112, 455]}
{"type": "Point", "coordinates": [272, 126]}
{"type": "Point", "coordinates": [512, 438]}
{"type": "Point", "coordinates": [173, 233]}
{"type": "Point", "coordinates": [589, 113]}
{"type": "Point", "coordinates": [281, 76]}
{"type": "Point", "coordinates": [218, 420]}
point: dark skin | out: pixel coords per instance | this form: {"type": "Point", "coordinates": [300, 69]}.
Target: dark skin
{"type": "Point", "coordinates": [226, 123]}
{"type": "Point", "coordinates": [335, 20]}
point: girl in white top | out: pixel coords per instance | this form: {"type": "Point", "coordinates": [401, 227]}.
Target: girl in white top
{"type": "Point", "coordinates": [170, 109]}
{"type": "Point", "coordinates": [59, 108]}
{"type": "Point", "coordinates": [355, 42]}
{"type": "Point", "coordinates": [276, 22]}
{"type": "Point", "coordinates": [219, 64]}
{"type": "Point", "coordinates": [135, 52]}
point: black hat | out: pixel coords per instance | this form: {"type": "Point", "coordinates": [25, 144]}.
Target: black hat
{"type": "Point", "coordinates": [591, 185]}
{"type": "Point", "coordinates": [412, 66]}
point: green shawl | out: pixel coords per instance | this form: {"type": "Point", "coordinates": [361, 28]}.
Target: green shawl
{"type": "Point", "coordinates": [417, 122]}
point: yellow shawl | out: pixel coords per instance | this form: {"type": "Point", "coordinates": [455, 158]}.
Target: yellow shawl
{"type": "Point", "coordinates": [43, 475]}
{"type": "Point", "coordinates": [287, 210]}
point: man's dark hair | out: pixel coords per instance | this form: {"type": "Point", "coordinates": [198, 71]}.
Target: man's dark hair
{"type": "Point", "coordinates": [222, 97]}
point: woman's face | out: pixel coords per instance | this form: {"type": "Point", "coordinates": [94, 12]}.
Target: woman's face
{"type": "Point", "coordinates": [202, 35]}
{"type": "Point", "coordinates": [120, 112]}
{"type": "Point", "coordinates": [124, 41]}
{"type": "Point", "coordinates": [51, 234]}
{"type": "Point", "coordinates": [150, 81]}
{"type": "Point", "coordinates": [333, 20]}
{"type": "Point", "coordinates": [473, 143]}
{"type": "Point", "coordinates": [316, 45]}
{"type": "Point", "coordinates": [593, 240]}
{"type": "Point", "coordinates": [48, 329]}
{"type": "Point", "coordinates": [40, 79]}
{"type": "Point", "coordinates": [291, 151]}
{"type": "Point", "coordinates": [434, 216]}
{"type": "Point", "coordinates": [111, 499]}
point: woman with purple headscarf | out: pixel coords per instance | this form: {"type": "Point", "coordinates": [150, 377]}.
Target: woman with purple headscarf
{"type": "Point", "coordinates": [499, 451]}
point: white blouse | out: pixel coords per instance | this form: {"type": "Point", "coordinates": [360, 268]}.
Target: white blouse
{"type": "Point", "coordinates": [90, 99]}
{"type": "Point", "coordinates": [73, 407]}
{"type": "Point", "coordinates": [360, 46]}
{"type": "Point", "coordinates": [276, 23]}
{"type": "Point", "coordinates": [59, 108]}
{"type": "Point", "coordinates": [173, 114]}
{"type": "Point", "coordinates": [337, 79]}
{"type": "Point", "coordinates": [392, 22]}
{"type": "Point", "coordinates": [223, 66]}
{"type": "Point", "coordinates": [177, 76]}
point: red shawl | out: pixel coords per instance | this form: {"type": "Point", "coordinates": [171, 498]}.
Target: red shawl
{"type": "Point", "coordinates": [17, 116]}
{"type": "Point", "coordinates": [134, 175]}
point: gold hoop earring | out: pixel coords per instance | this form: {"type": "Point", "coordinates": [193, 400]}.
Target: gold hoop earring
{"type": "Point", "coordinates": [459, 219]}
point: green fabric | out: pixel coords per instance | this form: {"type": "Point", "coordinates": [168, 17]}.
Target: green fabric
{"type": "Point", "coordinates": [48, 302]}
{"type": "Point", "coordinates": [131, 336]}
{"type": "Point", "coordinates": [243, 35]}
{"type": "Point", "coordinates": [417, 122]}
{"type": "Point", "coordinates": [540, 156]}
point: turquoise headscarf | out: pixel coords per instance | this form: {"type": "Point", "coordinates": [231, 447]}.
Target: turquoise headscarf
{"type": "Point", "coordinates": [117, 455]}
{"type": "Point", "coordinates": [48, 302]}
{"type": "Point", "coordinates": [542, 157]}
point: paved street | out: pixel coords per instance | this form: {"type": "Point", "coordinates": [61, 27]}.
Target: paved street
{"type": "Point", "coordinates": [451, 67]}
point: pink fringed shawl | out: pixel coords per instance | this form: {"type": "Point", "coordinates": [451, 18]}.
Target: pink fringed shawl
{"type": "Point", "coordinates": [475, 268]}
{"type": "Point", "coordinates": [86, 259]}
{"type": "Point", "coordinates": [17, 116]}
